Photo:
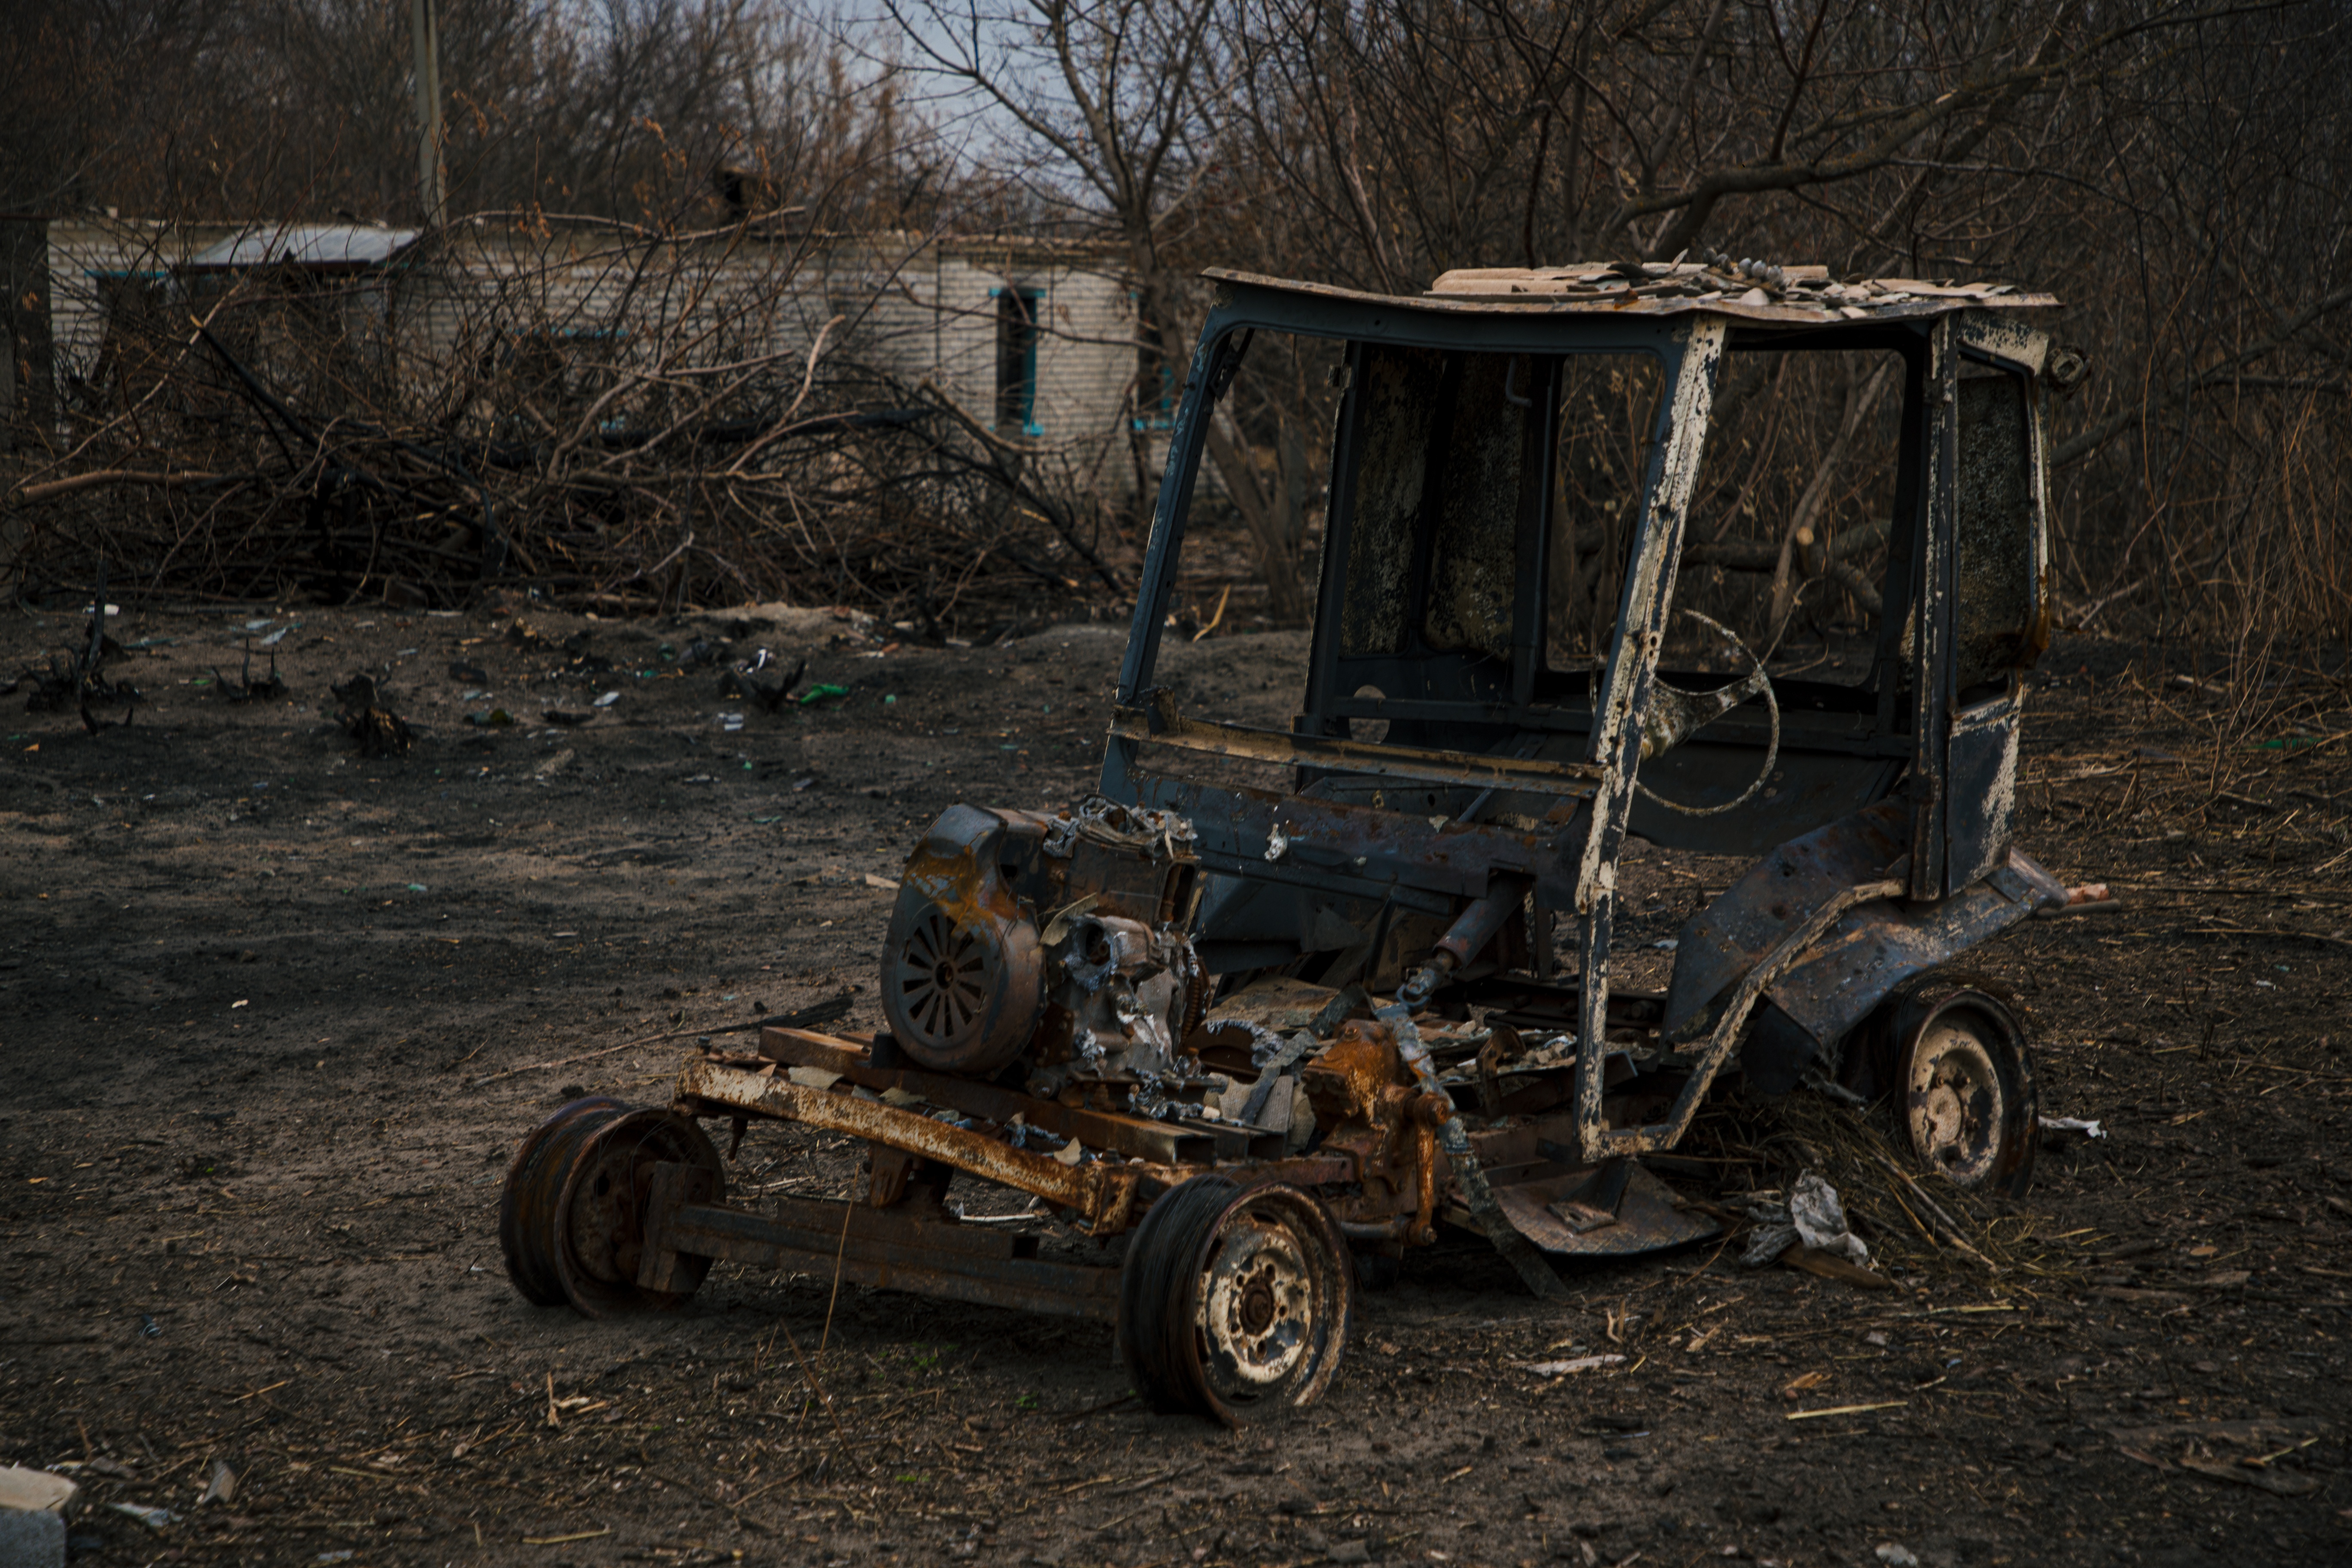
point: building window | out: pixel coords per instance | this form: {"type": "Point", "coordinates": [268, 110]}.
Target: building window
{"type": "Point", "coordinates": [1017, 312]}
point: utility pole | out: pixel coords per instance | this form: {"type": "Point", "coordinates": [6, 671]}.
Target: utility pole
{"type": "Point", "coordinates": [432, 179]}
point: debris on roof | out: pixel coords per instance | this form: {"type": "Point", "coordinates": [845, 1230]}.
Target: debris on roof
{"type": "Point", "coordinates": [1755, 290]}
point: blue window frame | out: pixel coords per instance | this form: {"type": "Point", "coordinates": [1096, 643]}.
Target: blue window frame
{"type": "Point", "coordinates": [1018, 313]}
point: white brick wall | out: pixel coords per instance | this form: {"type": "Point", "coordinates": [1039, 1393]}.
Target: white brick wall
{"type": "Point", "coordinates": [923, 308]}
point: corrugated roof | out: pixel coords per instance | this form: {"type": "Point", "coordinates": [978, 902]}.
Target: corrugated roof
{"type": "Point", "coordinates": [307, 245]}
{"type": "Point", "coordinates": [1790, 296]}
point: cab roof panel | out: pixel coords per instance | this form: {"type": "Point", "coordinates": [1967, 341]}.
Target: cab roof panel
{"type": "Point", "coordinates": [1805, 297]}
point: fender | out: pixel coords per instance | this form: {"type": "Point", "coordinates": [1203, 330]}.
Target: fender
{"type": "Point", "coordinates": [1864, 956]}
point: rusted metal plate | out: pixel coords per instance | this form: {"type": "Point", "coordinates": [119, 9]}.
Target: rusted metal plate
{"type": "Point", "coordinates": [1103, 1194]}
{"type": "Point", "coordinates": [1277, 1004]}
{"type": "Point", "coordinates": [1641, 1218]}
{"type": "Point", "coordinates": [891, 1251]}
{"type": "Point", "coordinates": [1870, 949]}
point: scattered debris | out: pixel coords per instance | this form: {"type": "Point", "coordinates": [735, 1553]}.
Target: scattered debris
{"type": "Point", "coordinates": [152, 1518]}
{"type": "Point", "coordinates": [1575, 1364]}
{"type": "Point", "coordinates": [2057, 1131]}
{"type": "Point", "coordinates": [379, 731]}
{"type": "Point", "coordinates": [2090, 899]}
{"type": "Point", "coordinates": [1813, 1216]}
{"type": "Point", "coordinates": [244, 689]}
{"type": "Point", "coordinates": [222, 1487]}
{"type": "Point", "coordinates": [744, 682]}
{"type": "Point", "coordinates": [75, 680]}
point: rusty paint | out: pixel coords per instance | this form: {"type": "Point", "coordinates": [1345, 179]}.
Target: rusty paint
{"type": "Point", "coordinates": [1090, 1190]}
{"type": "Point", "coordinates": [1161, 725]}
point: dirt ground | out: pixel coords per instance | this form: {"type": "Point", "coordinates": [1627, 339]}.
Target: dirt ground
{"type": "Point", "coordinates": [273, 1017]}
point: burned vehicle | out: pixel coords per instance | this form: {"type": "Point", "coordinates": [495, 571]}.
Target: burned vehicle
{"type": "Point", "coordinates": [1278, 1002]}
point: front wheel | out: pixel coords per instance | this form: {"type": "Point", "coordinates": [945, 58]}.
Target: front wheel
{"type": "Point", "coordinates": [1235, 1302]}
{"type": "Point", "coordinates": [1955, 1061]}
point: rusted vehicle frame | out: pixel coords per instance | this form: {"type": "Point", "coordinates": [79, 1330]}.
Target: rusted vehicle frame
{"type": "Point", "coordinates": [1007, 1063]}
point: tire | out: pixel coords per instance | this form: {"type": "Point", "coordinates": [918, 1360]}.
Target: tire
{"type": "Point", "coordinates": [1953, 1059]}
{"type": "Point", "coordinates": [1235, 1303]}
{"type": "Point", "coordinates": [572, 1218]}
{"type": "Point", "coordinates": [534, 1184]}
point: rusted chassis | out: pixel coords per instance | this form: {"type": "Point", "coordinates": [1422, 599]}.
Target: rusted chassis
{"type": "Point", "coordinates": [1499, 801]}
{"type": "Point", "coordinates": [1379, 1171]}
{"type": "Point", "coordinates": [1237, 1279]}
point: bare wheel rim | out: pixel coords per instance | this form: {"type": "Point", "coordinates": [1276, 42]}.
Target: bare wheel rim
{"type": "Point", "coordinates": [1956, 1105]}
{"type": "Point", "coordinates": [1272, 1295]}
{"type": "Point", "coordinates": [600, 1217]}
{"type": "Point", "coordinates": [530, 1205]}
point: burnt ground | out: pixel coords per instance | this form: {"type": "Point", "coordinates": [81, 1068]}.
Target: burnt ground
{"type": "Point", "coordinates": [274, 1017]}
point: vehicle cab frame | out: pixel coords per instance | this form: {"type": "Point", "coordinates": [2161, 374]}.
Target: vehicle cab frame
{"type": "Point", "coordinates": [1503, 792]}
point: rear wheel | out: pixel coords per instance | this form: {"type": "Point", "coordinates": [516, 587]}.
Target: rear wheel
{"type": "Point", "coordinates": [1235, 1303]}
{"type": "Point", "coordinates": [1955, 1062]}
{"type": "Point", "coordinates": [571, 1219]}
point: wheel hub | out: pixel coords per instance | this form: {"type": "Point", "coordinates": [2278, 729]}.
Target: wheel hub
{"type": "Point", "coordinates": [1257, 1310]}
{"type": "Point", "coordinates": [1954, 1103]}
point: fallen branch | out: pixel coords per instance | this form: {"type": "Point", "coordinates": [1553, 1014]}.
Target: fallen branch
{"type": "Point", "coordinates": [800, 1018]}
{"type": "Point", "coordinates": [102, 479]}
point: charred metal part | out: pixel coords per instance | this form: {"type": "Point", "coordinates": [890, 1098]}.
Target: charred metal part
{"type": "Point", "coordinates": [1127, 993]}
{"type": "Point", "coordinates": [1107, 1130]}
{"type": "Point", "coordinates": [572, 1217]}
{"type": "Point", "coordinates": [1817, 1001]}
{"type": "Point", "coordinates": [1060, 940]}
{"type": "Point", "coordinates": [1953, 1057]}
{"type": "Point", "coordinates": [1274, 1070]}
{"type": "Point", "coordinates": [532, 1197]}
{"type": "Point", "coordinates": [1162, 725]}
{"type": "Point", "coordinates": [1464, 940]}
{"type": "Point", "coordinates": [1455, 1140]}
{"type": "Point", "coordinates": [1619, 1209]}
{"type": "Point", "coordinates": [1625, 694]}
{"type": "Point", "coordinates": [1676, 715]}
{"type": "Point", "coordinates": [1236, 1302]}
{"type": "Point", "coordinates": [1599, 1143]}
{"type": "Point", "coordinates": [1098, 1192]}
{"type": "Point", "coordinates": [892, 1250]}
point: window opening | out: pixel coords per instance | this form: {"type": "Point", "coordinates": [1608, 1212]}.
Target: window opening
{"type": "Point", "coordinates": [1017, 315]}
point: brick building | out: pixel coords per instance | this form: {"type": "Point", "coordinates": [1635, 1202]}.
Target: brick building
{"type": "Point", "coordinates": [1034, 339]}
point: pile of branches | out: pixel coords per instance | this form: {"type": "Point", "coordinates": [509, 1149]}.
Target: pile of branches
{"type": "Point", "coordinates": [587, 441]}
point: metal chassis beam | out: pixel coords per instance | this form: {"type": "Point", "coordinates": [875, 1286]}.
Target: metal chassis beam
{"type": "Point", "coordinates": [1101, 1194]}
{"type": "Point", "coordinates": [885, 1248]}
